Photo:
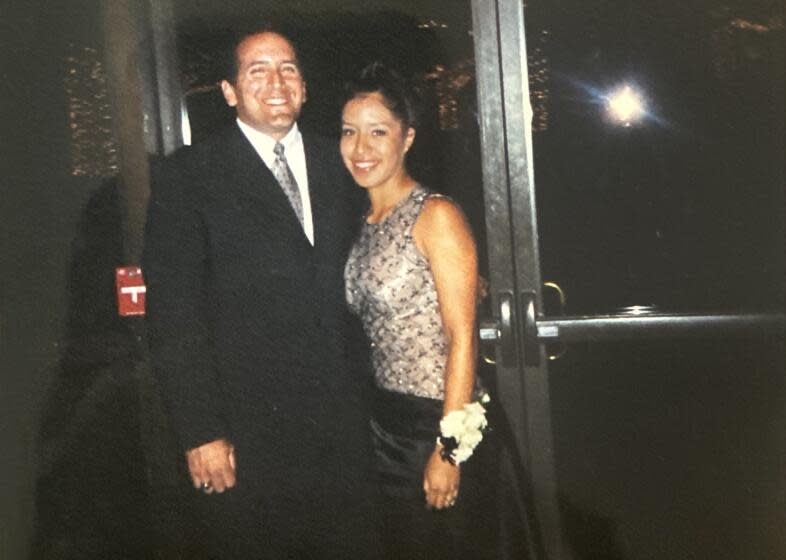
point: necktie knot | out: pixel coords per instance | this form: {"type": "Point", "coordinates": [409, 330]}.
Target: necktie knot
{"type": "Point", "coordinates": [278, 149]}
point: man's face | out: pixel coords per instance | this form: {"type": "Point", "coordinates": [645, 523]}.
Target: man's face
{"type": "Point", "coordinates": [269, 89]}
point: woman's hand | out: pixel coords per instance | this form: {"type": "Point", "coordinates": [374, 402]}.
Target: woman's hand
{"type": "Point", "coordinates": [440, 481]}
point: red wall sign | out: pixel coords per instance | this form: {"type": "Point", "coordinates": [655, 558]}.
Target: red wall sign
{"type": "Point", "coordinates": [131, 291]}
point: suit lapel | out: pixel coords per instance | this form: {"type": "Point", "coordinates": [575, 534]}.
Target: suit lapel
{"type": "Point", "coordinates": [246, 171]}
{"type": "Point", "coordinates": [253, 179]}
{"type": "Point", "coordinates": [319, 191]}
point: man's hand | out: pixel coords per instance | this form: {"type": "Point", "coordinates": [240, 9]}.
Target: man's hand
{"type": "Point", "coordinates": [440, 481]}
{"type": "Point", "coordinates": [212, 466]}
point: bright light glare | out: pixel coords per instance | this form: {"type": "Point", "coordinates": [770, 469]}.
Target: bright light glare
{"type": "Point", "coordinates": [185, 125]}
{"type": "Point", "coordinates": [638, 309]}
{"type": "Point", "coordinates": [625, 105]}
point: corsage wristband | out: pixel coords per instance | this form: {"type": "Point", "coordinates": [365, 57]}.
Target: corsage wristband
{"type": "Point", "coordinates": [462, 430]}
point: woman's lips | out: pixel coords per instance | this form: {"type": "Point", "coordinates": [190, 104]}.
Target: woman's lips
{"type": "Point", "coordinates": [363, 166]}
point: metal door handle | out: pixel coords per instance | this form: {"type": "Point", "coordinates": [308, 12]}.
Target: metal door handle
{"type": "Point", "coordinates": [530, 327]}
{"type": "Point", "coordinates": [561, 346]}
{"type": "Point", "coordinates": [502, 331]}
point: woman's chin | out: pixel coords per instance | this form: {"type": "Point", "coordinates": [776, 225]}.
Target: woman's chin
{"type": "Point", "coordinates": [362, 181]}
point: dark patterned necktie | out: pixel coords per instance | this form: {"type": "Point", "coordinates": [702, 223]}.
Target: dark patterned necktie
{"type": "Point", "coordinates": [286, 179]}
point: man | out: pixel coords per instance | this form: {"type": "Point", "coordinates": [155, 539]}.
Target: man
{"type": "Point", "coordinates": [244, 254]}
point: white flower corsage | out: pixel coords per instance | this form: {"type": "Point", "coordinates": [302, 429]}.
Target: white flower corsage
{"type": "Point", "coordinates": [462, 430]}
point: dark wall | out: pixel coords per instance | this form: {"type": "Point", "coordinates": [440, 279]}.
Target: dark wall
{"type": "Point", "coordinates": [40, 208]}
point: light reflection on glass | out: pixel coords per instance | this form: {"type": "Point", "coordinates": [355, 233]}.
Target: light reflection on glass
{"type": "Point", "coordinates": [625, 105]}
{"type": "Point", "coordinates": [185, 125]}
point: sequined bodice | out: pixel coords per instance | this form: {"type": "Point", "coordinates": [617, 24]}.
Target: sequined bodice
{"type": "Point", "coordinates": [390, 287]}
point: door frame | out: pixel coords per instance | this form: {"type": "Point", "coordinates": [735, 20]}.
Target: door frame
{"type": "Point", "coordinates": [514, 265]}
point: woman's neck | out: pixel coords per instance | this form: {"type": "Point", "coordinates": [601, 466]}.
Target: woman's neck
{"type": "Point", "coordinates": [385, 199]}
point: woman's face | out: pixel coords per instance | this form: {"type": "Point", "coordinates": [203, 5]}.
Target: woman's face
{"type": "Point", "coordinates": [373, 144]}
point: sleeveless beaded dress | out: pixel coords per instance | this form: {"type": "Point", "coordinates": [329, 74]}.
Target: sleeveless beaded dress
{"type": "Point", "coordinates": [390, 287]}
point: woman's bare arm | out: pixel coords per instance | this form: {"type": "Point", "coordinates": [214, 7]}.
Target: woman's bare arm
{"type": "Point", "coordinates": [445, 239]}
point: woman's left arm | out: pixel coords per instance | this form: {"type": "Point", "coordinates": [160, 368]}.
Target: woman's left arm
{"type": "Point", "coordinates": [445, 239]}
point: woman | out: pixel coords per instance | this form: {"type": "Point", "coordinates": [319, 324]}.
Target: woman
{"type": "Point", "coordinates": [412, 279]}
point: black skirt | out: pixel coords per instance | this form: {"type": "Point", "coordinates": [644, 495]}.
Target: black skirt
{"type": "Point", "coordinates": [405, 429]}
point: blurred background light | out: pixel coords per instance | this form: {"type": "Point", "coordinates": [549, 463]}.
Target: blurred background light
{"type": "Point", "coordinates": [625, 105]}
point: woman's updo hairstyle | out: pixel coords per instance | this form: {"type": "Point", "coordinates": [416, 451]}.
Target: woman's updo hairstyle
{"type": "Point", "coordinates": [399, 96]}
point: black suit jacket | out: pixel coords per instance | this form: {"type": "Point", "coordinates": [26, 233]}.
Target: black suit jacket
{"type": "Point", "coordinates": [247, 321]}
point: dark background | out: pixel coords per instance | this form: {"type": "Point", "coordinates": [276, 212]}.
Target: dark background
{"type": "Point", "coordinates": [674, 449]}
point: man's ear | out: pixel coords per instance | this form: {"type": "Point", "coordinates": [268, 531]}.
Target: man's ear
{"type": "Point", "coordinates": [229, 93]}
{"type": "Point", "coordinates": [305, 92]}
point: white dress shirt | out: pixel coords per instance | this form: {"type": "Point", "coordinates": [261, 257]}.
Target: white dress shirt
{"type": "Point", "coordinates": [296, 159]}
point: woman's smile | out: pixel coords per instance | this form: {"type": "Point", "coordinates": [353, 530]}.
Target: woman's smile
{"type": "Point", "coordinates": [373, 143]}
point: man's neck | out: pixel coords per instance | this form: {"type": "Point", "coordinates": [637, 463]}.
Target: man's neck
{"type": "Point", "coordinates": [254, 132]}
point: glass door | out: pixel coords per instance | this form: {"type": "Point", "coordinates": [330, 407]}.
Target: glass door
{"type": "Point", "coordinates": [639, 346]}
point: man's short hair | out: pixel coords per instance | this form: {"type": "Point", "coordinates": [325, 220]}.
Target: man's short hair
{"type": "Point", "coordinates": [228, 64]}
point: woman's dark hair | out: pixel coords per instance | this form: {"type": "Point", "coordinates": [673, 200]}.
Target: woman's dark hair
{"type": "Point", "coordinates": [399, 96]}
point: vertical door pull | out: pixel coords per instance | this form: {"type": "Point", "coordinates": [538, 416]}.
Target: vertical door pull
{"type": "Point", "coordinates": [507, 331]}
{"type": "Point", "coordinates": [559, 346]}
{"type": "Point", "coordinates": [501, 331]}
{"type": "Point", "coordinates": [529, 316]}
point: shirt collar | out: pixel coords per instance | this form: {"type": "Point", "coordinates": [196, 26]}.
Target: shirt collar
{"type": "Point", "coordinates": [264, 144]}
